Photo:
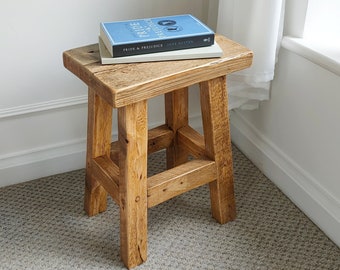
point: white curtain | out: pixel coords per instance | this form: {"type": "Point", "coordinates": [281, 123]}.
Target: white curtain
{"type": "Point", "coordinates": [256, 24]}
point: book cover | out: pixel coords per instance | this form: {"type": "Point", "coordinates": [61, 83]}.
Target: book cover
{"type": "Point", "coordinates": [212, 51]}
{"type": "Point", "coordinates": [133, 37]}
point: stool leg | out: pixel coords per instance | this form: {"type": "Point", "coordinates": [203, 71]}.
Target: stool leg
{"type": "Point", "coordinates": [133, 136]}
{"type": "Point", "coordinates": [215, 118]}
{"type": "Point", "coordinates": [176, 116]}
{"type": "Point", "coordinates": [99, 126]}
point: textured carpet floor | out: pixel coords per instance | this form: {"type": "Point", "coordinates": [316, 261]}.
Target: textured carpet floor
{"type": "Point", "coordinates": [43, 226]}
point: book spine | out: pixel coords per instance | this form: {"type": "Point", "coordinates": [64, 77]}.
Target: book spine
{"type": "Point", "coordinates": [163, 45]}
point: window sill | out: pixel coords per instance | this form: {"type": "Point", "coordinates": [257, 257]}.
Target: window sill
{"type": "Point", "coordinates": [327, 57]}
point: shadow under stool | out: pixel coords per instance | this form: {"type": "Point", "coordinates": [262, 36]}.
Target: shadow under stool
{"type": "Point", "coordinates": [120, 168]}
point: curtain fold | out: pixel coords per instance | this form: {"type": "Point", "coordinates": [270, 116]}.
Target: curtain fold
{"type": "Point", "coordinates": [256, 24]}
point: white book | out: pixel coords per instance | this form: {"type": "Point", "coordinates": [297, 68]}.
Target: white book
{"type": "Point", "coordinates": [212, 51]}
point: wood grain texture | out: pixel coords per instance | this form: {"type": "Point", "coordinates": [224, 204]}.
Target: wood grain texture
{"type": "Point", "coordinates": [185, 177]}
{"type": "Point", "coordinates": [98, 144]}
{"type": "Point", "coordinates": [158, 138]}
{"type": "Point", "coordinates": [121, 167]}
{"type": "Point", "coordinates": [107, 173]}
{"type": "Point", "coordinates": [176, 116]}
{"type": "Point", "coordinates": [192, 141]}
{"type": "Point", "coordinates": [215, 118]}
{"type": "Point", "coordinates": [116, 85]}
{"type": "Point", "coordinates": [132, 137]}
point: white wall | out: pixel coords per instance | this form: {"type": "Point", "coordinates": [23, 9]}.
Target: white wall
{"type": "Point", "coordinates": [42, 105]}
{"type": "Point", "coordinates": [295, 138]}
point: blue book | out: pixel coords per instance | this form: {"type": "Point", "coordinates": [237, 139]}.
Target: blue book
{"type": "Point", "coordinates": [151, 35]}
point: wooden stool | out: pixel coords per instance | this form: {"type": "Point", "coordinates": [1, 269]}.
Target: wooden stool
{"type": "Point", "coordinates": [120, 168]}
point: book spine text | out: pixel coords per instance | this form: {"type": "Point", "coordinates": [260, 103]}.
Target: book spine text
{"type": "Point", "coordinates": [162, 45]}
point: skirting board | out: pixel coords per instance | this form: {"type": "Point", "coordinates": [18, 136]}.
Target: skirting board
{"type": "Point", "coordinates": [52, 159]}
{"type": "Point", "coordinates": [36, 163]}
{"type": "Point", "coordinates": [300, 187]}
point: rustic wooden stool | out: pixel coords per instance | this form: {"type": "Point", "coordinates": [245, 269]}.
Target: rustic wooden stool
{"type": "Point", "coordinates": [120, 168]}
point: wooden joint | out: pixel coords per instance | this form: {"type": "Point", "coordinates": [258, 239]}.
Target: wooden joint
{"type": "Point", "coordinates": [185, 177]}
{"type": "Point", "coordinates": [192, 141]}
{"type": "Point", "coordinates": [158, 138]}
{"type": "Point", "coordinates": [107, 174]}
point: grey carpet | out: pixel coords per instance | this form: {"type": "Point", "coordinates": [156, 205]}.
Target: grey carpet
{"type": "Point", "coordinates": [43, 226]}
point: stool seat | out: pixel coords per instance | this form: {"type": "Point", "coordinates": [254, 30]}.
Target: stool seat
{"type": "Point", "coordinates": [120, 168]}
{"type": "Point", "coordinates": [123, 84]}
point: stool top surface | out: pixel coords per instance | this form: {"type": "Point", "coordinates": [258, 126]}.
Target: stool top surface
{"type": "Point", "coordinates": [123, 84]}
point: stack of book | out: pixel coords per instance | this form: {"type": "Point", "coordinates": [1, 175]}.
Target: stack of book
{"type": "Point", "coordinates": [156, 39]}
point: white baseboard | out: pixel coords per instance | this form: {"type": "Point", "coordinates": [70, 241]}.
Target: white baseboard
{"type": "Point", "coordinates": [18, 167]}
{"type": "Point", "coordinates": [45, 159]}
{"type": "Point", "coordinates": [36, 163]}
{"type": "Point", "coordinates": [42, 106]}
{"type": "Point", "coordinates": [297, 184]}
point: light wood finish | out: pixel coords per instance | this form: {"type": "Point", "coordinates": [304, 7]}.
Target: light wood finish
{"type": "Point", "coordinates": [214, 106]}
{"type": "Point", "coordinates": [175, 181]}
{"type": "Point", "coordinates": [176, 116]}
{"type": "Point", "coordinates": [193, 141]}
{"type": "Point", "coordinates": [107, 174]}
{"type": "Point", "coordinates": [120, 168]}
{"type": "Point", "coordinates": [123, 84]}
{"type": "Point", "coordinates": [98, 144]}
{"type": "Point", "coordinates": [133, 132]}
{"type": "Point", "coordinates": [158, 138]}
